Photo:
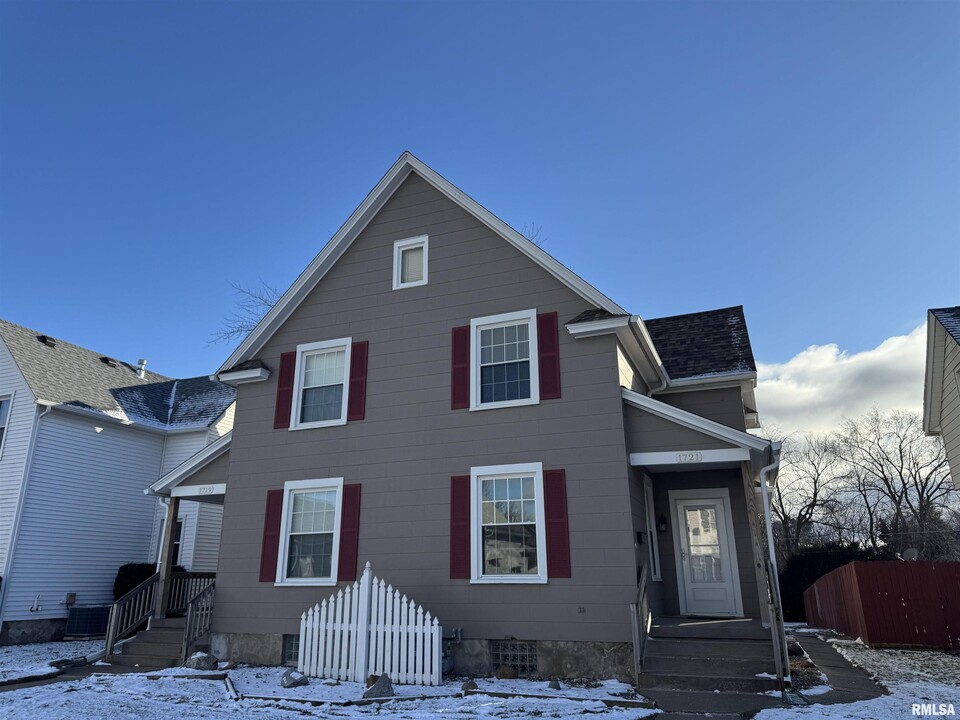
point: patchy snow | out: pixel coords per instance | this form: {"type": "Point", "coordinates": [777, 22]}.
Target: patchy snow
{"type": "Point", "coordinates": [138, 696]}
{"type": "Point", "coordinates": [911, 676]}
{"type": "Point", "coordinates": [22, 661]}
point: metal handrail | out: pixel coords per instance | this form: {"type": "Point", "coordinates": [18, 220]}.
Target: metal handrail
{"type": "Point", "coordinates": [640, 620]}
{"type": "Point", "coordinates": [199, 619]}
{"type": "Point", "coordinates": [777, 630]}
{"type": "Point", "coordinates": [130, 610]}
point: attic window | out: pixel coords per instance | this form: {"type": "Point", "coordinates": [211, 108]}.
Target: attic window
{"type": "Point", "coordinates": [410, 262]}
{"type": "Point", "coordinates": [108, 361]}
{"type": "Point", "coordinates": [47, 340]}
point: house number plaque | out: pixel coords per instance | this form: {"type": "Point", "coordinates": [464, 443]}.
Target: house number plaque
{"type": "Point", "coordinates": [689, 457]}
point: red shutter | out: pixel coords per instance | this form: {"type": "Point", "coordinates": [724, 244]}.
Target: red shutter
{"type": "Point", "coordinates": [281, 416]}
{"type": "Point", "coordinates": [349, 532]}
{"type": "Point", "coordinates": [357, 399]}
{"type": "Point", "coordinates": [271, 536]}
{"type": "Point", "coordinates": [460, 527]}
{"type": "Point", "coordinates": [558, 531]}
{"type": "Point", "coordinates": [460, 368]}
{"type": "Point", "coordinates": [548, 342]}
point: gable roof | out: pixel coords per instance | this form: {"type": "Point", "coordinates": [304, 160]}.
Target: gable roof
{"type": "Point", "coordinates": [77, 378]}
{"type": "Point", "coordinates": [950, 319]}
{"type": "Point", "coordinates": [357, 221]}
{"type": "Point", "coordinates": [703, 344]}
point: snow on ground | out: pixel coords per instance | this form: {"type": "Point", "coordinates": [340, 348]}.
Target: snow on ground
{"type": "Point", "coordinates": [136, 696]}
{"type": "Point", "coordinates": [912, 677]}
{"type": "Point", "coordinates": [21, 661]}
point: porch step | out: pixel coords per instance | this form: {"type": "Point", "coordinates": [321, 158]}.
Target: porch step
{"type": "Point", "coordinates": [152, 648]}
{"type": "Point", "coordinates": [693, 701]}
{"type": "Point", "coordinates": [143, 662]}
{"type": "Point", "coordinates": [713, 683]}
{"type": "Point", "coordinates": [712, 649]}
{"type": "Point", "coordinates": [709, 629]}
{"type": "Point", "coordinates": [708, 667]}
{"type": "Point", "coordinates": [161, 635]}
{"type": "Point", "coordinates": [169, 622]}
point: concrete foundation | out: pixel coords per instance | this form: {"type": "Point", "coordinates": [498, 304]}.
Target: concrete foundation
{"type": "Point", "coordinates": [471, 658]}
{"type": "Point", "coordinates": [19, 632]}
{"type": "Point", "coordinates": [248, 648]}
{"type": "Point", "coordinates": [597, 660]}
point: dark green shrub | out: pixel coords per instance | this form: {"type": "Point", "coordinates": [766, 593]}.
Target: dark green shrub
{"type": "Point", "coordinates": [132, 574]}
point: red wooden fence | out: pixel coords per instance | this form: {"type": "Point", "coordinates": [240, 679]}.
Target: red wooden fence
{"type": "Point", "coordinates": [890, 603]}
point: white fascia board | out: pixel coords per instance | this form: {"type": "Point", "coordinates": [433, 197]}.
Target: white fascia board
{"type": "Point", "coordinates": [933, 376]}
{"type": "Point", "coordinates": [695, 422]}
{"type": "Point", "coordinates": [359, 219]}
{"type": "Point", "coordinates": [597, 327]}
{"type": "Point", "coordinates": [714, 378]}
{"type": "Point", "coordinates": [685, 457]}
{"type": "Point", "coordinates": [633, 336]}
{"type": "Point", "coordinates": [192, 464]}
{"type": "Point", "coordinates": [241, 377]}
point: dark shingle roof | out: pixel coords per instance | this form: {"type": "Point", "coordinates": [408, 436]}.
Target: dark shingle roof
{"type": "Point", "coordinates": [593, 314]}
{"type": "Point", "coordinates": [68, 374]}
{"type": "Point", "coordinates": [714, 342]}
{"type": "Point", "coordinates": [950, 319]}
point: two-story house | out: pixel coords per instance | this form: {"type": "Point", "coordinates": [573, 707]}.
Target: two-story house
{"type": "Point", "coordinates": [438, 396]}
{"type": "Point", "coordinates": [81, 433]}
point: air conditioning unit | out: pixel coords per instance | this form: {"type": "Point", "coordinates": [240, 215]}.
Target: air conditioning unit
{"type": "Point", "coordinates": [87, 621]}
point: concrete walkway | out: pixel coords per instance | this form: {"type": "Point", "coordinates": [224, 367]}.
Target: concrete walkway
{"type": "Point", "coordinates": [74, 673]}
{"type": "Point", "coordinates": [849, 682]}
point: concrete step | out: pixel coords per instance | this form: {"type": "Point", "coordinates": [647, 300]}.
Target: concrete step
{"type": "Point", "coordinates": [712, 683]}
{"type": "Point", "coordinates": [142, 662]}
{"type": "Point", "coordinates": [725, 667]}
{"type": "Point", "coordinates": [717, 649]}
{"type": "Point", "coordinates": [692, 701]}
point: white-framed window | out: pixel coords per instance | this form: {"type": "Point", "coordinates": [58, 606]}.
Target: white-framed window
{"type": "Point", "coordinates": [310, 532]}
{"type": "Point", "coordinates": [5, 403]}
{"type": "Point", "coordinates": [504, 364]}
{"type": "Point", "coordinates": [321, 387]}
{"type": "Point", "coordinates": [507, 524]}
{"type": "Point", "coordinates": [653, 544]}
{"type": "Point", "coordinates": [410, 259]}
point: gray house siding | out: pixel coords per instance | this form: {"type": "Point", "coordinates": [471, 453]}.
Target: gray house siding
{"type": "Point", "coordinates": [84, 514]}
{"type": "Point", "coordinates": [722, 405]}
{"type": "Point", "coordinates": [648, 433]}
{"type": "Point", "coordinates": [411, 442]}
{"type": "Point", "coordinates": [15, 449]}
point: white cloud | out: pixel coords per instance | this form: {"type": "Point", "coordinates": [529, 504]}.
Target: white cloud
{"type": "Point", "coordinates": [818, 387]}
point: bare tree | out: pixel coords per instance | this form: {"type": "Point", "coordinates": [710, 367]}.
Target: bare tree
{"type": "Point", "coordinates": [534, 233]}
{"type": "Point", "coordinates": [253, 304]}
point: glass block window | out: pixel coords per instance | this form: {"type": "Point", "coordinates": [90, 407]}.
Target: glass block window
{"type": "Point", "coordinates": [323, 380]}
{"type": "Point", "coordinates": [291, 650]}
{"type": "Point", "coordinates": [310, 548]}
{"type": "Point", "coordinates": [521, 655]}
{"type": "Point", "coordinates": [505, 363]}
{"type": "Point", "coordinates": [509, 519]}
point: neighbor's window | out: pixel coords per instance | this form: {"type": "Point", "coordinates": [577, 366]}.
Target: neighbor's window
{"type": "Point", "coordinates": [410, 262]}
{"type": "Point", "coordinates": [310, 532]}
{"type": "Point", "coordinates": [504, 370]}
{"type": "Point", "coordinates": [320, 396]}
{"type": "Point", "coordinates": [5, 403]}
{"type": "Point", "coordinates": [508, 526]}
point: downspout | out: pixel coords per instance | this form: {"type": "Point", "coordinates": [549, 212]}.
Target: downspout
{"type": "Point", "coordinates": [773, 457]}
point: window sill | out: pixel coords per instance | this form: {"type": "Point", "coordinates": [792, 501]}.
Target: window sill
{"type": "Point", "coordinates": [313, 582]}
{"type": "Point", "coordinates": [509, 580]}
{"type": "Point", "coordinates": [311, 426]}
{"type": "Point", "coordinates": [506, 404]}
{"type": "Point", "coordinates": [404, 286]}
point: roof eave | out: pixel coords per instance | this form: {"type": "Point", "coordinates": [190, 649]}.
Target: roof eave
{"type": "Point", "coordinates": [192, 464]}
{"type": "Point", "coordinates": [932, 378]}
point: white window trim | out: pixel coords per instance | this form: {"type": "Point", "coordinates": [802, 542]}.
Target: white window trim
{"type": "Point", "coordinates": [289, 488]}
{"type": "Point", "coordinates": [6, 427]}
{"type": "Point", "coordinates": [398, 247]}
{"type": "Point", "coordinates": [653, 542]}
{"type": "Point", "coordinates": [476, 525]}
{"type": "Point", "coordinates": [346, 344]}
{"type": "Point", "coordinates": [484, 323]}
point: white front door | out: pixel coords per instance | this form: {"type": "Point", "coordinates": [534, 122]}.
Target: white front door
{"type": "Point", "coordinates": [708, 578]}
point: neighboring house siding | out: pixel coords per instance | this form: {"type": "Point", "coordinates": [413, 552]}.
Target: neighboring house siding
{"type": "Point", "coordinates": [16, 447]}
{"type": "Point", "coordinates": [950, 407]}
{"type": "Point", "coordinates": [410, 443]}
{"type": "Point", "coordinates": [223, 425]}
{"type": "Point", "coordinates": [209, 519]}
{"type": "Point", "coordinates": [84, 514]}
{"type": "Point", "coordinates": [648, 433]}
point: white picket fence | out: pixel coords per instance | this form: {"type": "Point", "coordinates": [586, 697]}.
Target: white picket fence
{"type": "Point", "coordinates": [366, 629]}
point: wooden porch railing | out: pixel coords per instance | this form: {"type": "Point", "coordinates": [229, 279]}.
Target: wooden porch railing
{"type": "Point", "coordinates": [640, 620]}
{"type": "Point", "coordinates": [131, 610]}
{"type": "Point", "coordinates": [184, 587]}
{"type": "Point", "coordinates": [199, 618]}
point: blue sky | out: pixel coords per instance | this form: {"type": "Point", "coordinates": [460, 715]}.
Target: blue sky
{"type": "Point", "coordinates": [801, 159]}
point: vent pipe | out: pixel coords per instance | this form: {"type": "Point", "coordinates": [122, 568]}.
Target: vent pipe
{"type": "Point", "coordinates": [141, 368]}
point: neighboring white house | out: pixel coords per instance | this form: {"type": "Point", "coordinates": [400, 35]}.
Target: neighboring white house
{"type": "Point", "coordinates": [941, 396]}
{"type": "Point", "coordinates": [81, 435]}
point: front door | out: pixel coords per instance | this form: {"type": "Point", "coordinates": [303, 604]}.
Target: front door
{"type": "Point", "coordinates": [708, 577]}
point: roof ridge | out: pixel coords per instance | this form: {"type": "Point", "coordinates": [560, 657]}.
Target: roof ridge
{"type": "Point", "coordinates": [697, 312]}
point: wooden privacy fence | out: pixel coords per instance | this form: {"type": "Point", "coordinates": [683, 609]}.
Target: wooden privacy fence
{"type": "Point", "coordinates": [890, 603]}
{"type": "Point", "coordinates": [366, 629]}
